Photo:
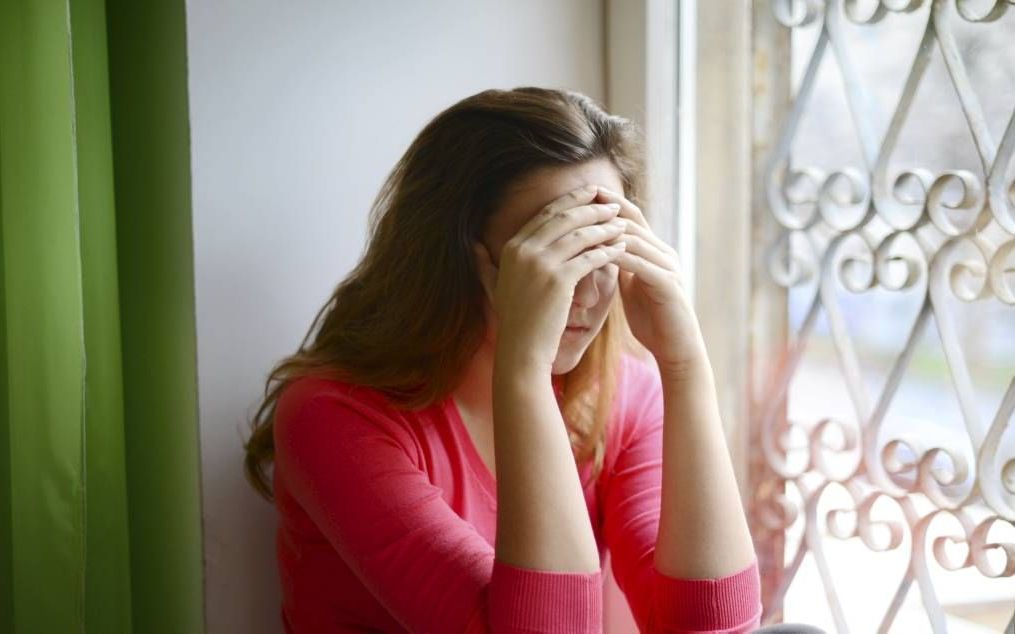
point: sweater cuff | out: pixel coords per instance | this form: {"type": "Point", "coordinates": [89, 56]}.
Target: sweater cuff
{"type": "Point", "coordinates": [530, 600]}
{"type": "Point", "coordinates": [725, 604]}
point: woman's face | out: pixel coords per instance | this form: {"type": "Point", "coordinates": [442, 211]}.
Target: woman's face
{"type": "Point", "coordinates": [594, 292]}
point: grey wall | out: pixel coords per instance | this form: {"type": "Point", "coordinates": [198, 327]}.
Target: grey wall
{"type": "Point", "coordinates": [298, 110]}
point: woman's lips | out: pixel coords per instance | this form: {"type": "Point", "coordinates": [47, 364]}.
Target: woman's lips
{"type": "Point", "coordinates": [575, 330]}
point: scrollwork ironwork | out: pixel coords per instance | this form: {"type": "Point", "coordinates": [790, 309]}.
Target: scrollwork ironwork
{"type": "Point", "coordinates": [947, 236]}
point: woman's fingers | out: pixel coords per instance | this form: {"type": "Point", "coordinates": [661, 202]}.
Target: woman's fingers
{"type": "Point", "coordinates": [654, 275]}
{"type": "Point", "coordinates": [627, 208]}
{"type": "Point", "coordinates": [571, 220]}
{"type": "Point", "coordinates": [645, 249]}
{"type": "Point", "coordinates": [646, 243]}
{"type": "Point", "coordinates": [577, 233]}
{"type": "Point", "coordinates": [646, 234]}
{"type": "Point", "coordinates": [574, 198]}
{"type": "Point", "coordinates": [577, 240]}
{"type": "Point", "coordinates": [584, 263]}
{"type": "Point", "coordinates": [661, 267]}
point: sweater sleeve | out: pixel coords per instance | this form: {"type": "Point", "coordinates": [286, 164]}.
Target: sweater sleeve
{"type": "Point", "coordinates": [632, 504]}
{"type": "Point", "coordinates": [355, 472]}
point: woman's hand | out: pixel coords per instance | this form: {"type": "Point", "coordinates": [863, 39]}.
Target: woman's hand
{"type": "Point", "coordinates": [655, 301]}
{"type": "Point", "coordinates": [533, 288]}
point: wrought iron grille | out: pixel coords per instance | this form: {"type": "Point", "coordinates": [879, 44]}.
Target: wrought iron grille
{"type": "Point", "coordinates": [907, 232]}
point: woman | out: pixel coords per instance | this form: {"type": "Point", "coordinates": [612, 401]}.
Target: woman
{"type": "Point", "coordinates": [473, 426]}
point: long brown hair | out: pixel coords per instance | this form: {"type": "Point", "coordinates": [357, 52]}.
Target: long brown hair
{"type": "Point", "coordinates": [409, 317]}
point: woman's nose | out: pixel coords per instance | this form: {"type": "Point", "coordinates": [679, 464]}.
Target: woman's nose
{"type": "Point", "coordinates": [585, 293]}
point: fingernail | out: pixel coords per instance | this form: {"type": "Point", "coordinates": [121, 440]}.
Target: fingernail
{"type": "Point", "coordinates": [590, 188]}
{"type": "Point", "coordinates": [613, 207]}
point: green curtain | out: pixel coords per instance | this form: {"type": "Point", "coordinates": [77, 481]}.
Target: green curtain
{"type": "Point", "coordinates": [99, 482]}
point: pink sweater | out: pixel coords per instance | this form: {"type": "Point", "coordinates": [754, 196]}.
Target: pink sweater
{"type": "Point", "coordinates": [388, 524]}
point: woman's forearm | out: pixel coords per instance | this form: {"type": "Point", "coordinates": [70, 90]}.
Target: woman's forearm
{"type": "Point", "coordinates": [703, 532]}
{"type": "Point", "coordinates": [542, 519]}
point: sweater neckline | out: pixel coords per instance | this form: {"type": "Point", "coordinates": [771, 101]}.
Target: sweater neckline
{"type": "Point", "coordinates": [479, 468]}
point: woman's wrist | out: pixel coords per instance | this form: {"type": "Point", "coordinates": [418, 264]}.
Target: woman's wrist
{"type": "Point", "coordinates": [517, 372]}
{"type": "Point", "coordinates": [689, 367]}
{"type": "Point", "coordinates": [521, 361]}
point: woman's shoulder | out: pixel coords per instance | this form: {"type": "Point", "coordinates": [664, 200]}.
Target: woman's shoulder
{"type": "Point", "coordinates": [358, 406]}
{"type": "Point", "coordinates": [323, 427]}
{"type": "Point", "coordinates": [308, 388]}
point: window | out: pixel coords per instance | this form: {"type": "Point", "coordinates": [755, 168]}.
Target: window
{"type": "Point", "coordinates": [883, 438]}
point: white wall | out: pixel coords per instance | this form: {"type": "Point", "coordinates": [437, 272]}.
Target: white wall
{"type": "Point", "coordinates": [298, 110]}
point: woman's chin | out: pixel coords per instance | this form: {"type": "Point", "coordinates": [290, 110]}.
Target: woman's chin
{"type": "Point", "coordinates": [568, 356]}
